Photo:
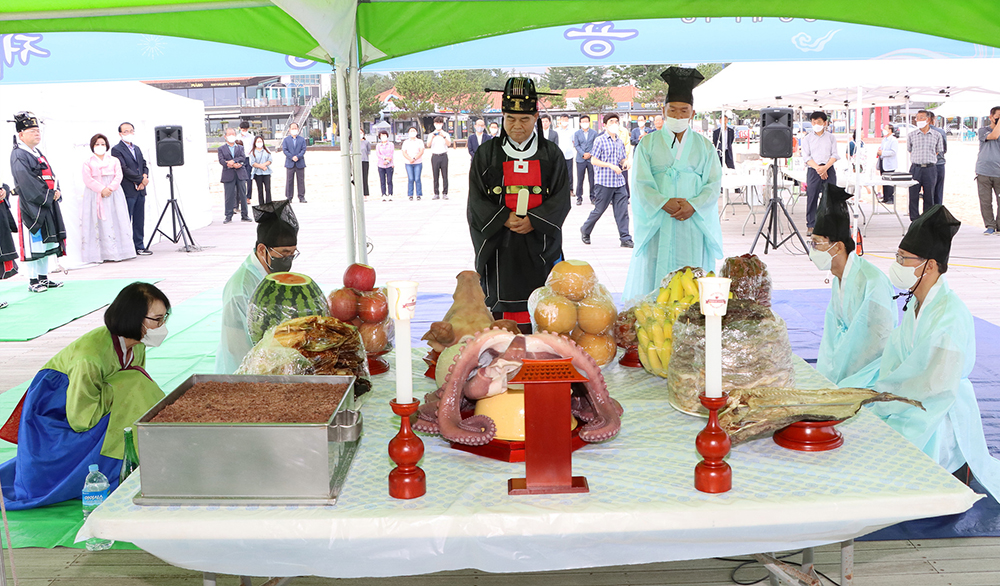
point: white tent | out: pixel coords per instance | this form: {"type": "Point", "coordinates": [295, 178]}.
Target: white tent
{"type": "Point", "coordinates": [72, 113]}
{"type": "Point", "coordinates": [812, 85]}
{"type": "Point", "coordinates": [968, 104]}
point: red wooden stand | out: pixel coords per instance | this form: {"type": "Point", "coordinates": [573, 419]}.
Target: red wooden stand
{"type": "Point", "coordinates": [509, 450]}
{"type": "Point", "coordinates": [431, 361]}
{"type": "Point", "coordinates": [377, 364]}
{"type": "Point", "coordinates": [631, 358]}
{"type": "Point", "coordinates": [406, 480]}
{"type": "Point", "coordinates": [713, 474]}
{"type": "Point", "coordinates": [548, 456]}
{"type": "Point", "coordinates": [810, 436]}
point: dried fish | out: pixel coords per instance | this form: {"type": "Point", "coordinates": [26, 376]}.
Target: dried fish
{"type": "Point", "coordinates": [752, 413]}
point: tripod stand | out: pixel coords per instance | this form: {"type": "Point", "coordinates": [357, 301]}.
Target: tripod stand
{"type": "Point", "coordinates": [770, 221]}
{"type": "Point", "coordinates": [180, 229]}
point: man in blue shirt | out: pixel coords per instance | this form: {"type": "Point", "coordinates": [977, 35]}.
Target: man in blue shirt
{"type": "Point", "coordinates": [609, 159]}
{"type": "Point", "coordinates": [294, 147]}
{"type": "Point", "coordinates": [583, 142]}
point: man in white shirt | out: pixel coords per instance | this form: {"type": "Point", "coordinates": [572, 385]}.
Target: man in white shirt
{"type": "Point", "coordinates": [565, 133]}
{"type": "Point", "coordinates": [819, 151]}
{"type": "Point", "coordinates": [439, 142]}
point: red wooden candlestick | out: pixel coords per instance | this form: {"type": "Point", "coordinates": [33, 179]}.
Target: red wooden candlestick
{"type": "Point", "coordinates": [407, 480]}
{"type": "Point", "coordinates": [713, 474]}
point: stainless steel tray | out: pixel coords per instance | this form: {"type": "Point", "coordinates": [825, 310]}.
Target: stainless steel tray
{"type": "Point", "coordinates": [247, 463]}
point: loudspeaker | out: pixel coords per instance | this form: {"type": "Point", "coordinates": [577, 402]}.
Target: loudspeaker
{"type": "Point", "coordinates": [169, 146]}
{"type": "Point", "coordinates": [776, 133]}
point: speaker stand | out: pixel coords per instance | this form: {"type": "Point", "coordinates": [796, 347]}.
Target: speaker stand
{"type": "Point", "coordinates": [180, 229]}
{"type": "Point", "coordinates": [770, 222]}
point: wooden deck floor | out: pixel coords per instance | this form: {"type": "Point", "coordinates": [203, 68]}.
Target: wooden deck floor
{"type": "Point", "coordinates": [428, 242]}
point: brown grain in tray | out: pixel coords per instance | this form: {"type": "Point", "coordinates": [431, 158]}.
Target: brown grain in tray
{"type": "Point", "coordinates": [246, 402]}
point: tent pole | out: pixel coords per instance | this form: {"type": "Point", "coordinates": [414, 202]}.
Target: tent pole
{"type": "Point", "coordinates": [354, 80]}
{"type": "Point", "coordinates": [857, 158]}
{"type": "Point", "coordinates": [340, 72]}
{"type": "Point", "coordinates": [907, 121]}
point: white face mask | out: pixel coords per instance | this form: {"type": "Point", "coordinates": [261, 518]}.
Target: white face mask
{"type": "Point", "coordinates": [585, 125]}
{"type": "Point", "coordinates": [921, 124]}
{"type": "Point", "coordinates": [294, 132]}
{"type": "Point", "coordinates": [127, 138]}
{"type": "Point", "coordinates": [480, 129]}
{"type": "Point", "coordinates": [260, 144]}
{"type": "Point", "coordinates": [676, 124]}
{"type": "Point", "coordinates": [100, 149]}
{"type": "Point", "coordinates": [154, 338]}
{"type": "Point", "coordinates": [904, 278]}
{"type": "Point", "coordinates": [413, 135]}
{"type": "Point", "coordinates": [383, 138]}
{"type": "Point", "coordinates": [438, 126]}
{"type": "Point", "coordinates": [230, 139]}
{"type": "Point", "coordinates": [818, 128]}
{"type": "Point", "coordinates": [612, 129]}
{"type": "Point", "coordinates": [821, 258]}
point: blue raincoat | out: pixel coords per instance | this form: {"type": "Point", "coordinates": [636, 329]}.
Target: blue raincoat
{"type": "Point", "coordinates": [929, 358]}
{"type": "Point", "coordinates": [235, 342]}
{"type": "Point", "coordinates": [73, 415]}
{"type": "Point", "coordinates": [859, 319]}
{"type": "Point", "coordinates": [689, 169]}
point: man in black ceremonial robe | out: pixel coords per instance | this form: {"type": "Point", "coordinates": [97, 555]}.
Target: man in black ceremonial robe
{"type": "Point", "coordinates": [518, 200]}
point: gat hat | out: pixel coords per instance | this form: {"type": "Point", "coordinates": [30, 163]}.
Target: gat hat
{"type": "Point", "coordinates": [24, 121]}
{"type": "Point", "coordinates": [929, 236]}
{"type": "Point", "coordinates": [833, 220]}
{"type": "Point", "coordinates": [681, 82]}
{"type": "Point", "coordinates": [520, 96]}
{"type": "Point", "coordinates": [276, 224]}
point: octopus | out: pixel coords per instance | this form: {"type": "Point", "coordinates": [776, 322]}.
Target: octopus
{"type": "Point", "coordinates": [485, 364]}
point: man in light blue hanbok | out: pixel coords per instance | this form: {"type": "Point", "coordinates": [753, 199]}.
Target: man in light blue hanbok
{"type": "Point", "coordinates": [677, 178]}
{"type": "Point", "coordinates": [277, 233]}
{"type": "Point", "coordinates": [861, 314]}
{"type": "Point", "coordinates": [930, 355]}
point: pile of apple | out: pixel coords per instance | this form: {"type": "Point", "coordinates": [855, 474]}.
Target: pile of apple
{"type": "Point", "coordinates": [363, 305]}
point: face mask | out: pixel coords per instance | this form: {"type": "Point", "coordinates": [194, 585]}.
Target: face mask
{"type": "Point", "coordinates": [585, 125]}
{"type": "Point", "coordinates": [154, 338]}
{"type": "Point", "coordinates": [383, 139]}
{"type": "Point", "coordinates": [413, 135]}
{"type": "Point", "coordinates": [294, 132]}
{"type": "Point", "coordinates": [676, 124]}
{"type": "Point", "coordinates": [280, 264]}
{"type": "Point", "coordinates": [438, 126]}
{"type": "Point", "coordinates": [127, 138]}
{"type": "Point", "coordinates": [260, 144]}
{"type": "Point", "coordinates": [904, 278]}
{"type": "Point", "coordinates": [821, 258]}
{"type": "Point", "coordinates": [100, 150]}
{"type": "Point", "coordinates": [230, 139]}
{"type": "Point", "coordinates": [921, 124]}
{"type": "Point", "coordinates": [612, 129]}
{"type": "Point", "coordinates": [480, 129]}
{"type": "Point", "coordinates": [818, 128]}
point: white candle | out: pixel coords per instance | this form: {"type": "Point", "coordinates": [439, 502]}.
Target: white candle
{"type": "Point", "coordinates": [714, 293]}
{"type": "Point", "coordinates": [713, 356]}
{"type": "Point", "coordinates": [404, 368]}
{"type": "Point", "coordinates": [402, 306]}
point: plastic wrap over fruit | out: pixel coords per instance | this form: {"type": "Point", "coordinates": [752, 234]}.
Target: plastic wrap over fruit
{"type": "Point", "coordinates": [589, 321]}
{"type": "Point", "coordinates": [624, 329]}
{"type": "Point", "coordinates": [311, 345]}
{"type": "Point", "coordinates": [750, 279]}
{"type": "Point", "coordinates": [280, 297]}
{"type": "Point", "coordinates": [655, 316]}
{"type": "Point", "coordinates": [572, 279]}
{"type": "Point", "coordinates": [755, 353]}
{"type": "Point", "coordinates": [366, 310]}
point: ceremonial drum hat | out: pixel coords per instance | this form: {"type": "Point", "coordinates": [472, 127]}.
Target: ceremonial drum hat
{"type": "Point", "coordinates": [681, 82]}
{"type": "Point", "coordinates": [276, 224]}
{"type": "Point", "coordinates": [24, 121]}
{"type": "Point", "coordinates": [929, 236]}
{"type": "Point", "coordinates": [520, 96]}
{"type": "Point", "coordinates": [832, 218]}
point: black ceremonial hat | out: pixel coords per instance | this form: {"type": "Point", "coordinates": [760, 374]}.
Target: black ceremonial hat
{"type": "Point", "coordinates": [681, 82]}
{"type": "Point", "coordinates": [832, 218]}
{"type": "Point", "coordinates": [520, 96]}
{"type": "Point", "coordinates": [929, 236]}
{"type": "Point", "coordinates": [24, 121]}
{"type": "Point", "coordinates": [276, 224]}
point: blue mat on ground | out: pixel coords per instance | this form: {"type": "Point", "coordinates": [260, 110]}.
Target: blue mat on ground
{"type": "Point", "coordinates": [803, 311]}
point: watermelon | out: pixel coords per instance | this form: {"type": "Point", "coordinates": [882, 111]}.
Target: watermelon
{"type": "Point", "coordinates": [281, 297]}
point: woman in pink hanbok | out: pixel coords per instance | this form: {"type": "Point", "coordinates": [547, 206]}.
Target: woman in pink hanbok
{"type": "Point", "coordinates": [105, 223]}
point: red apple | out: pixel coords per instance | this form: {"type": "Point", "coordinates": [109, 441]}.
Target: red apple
{"type": "Point", "coordinates": [373, 307]}
{"type": "Point", "coordinates": [374, 337]}
{"type": "Point", "coordinates": [360, 277]}
{"type": "Point", "coordinates": [356, 322]}
{"type": "Point", "coordinates": [343, 304]}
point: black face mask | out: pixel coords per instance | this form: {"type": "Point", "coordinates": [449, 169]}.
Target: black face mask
{"type": "Point", "coordinates": [281, 264]}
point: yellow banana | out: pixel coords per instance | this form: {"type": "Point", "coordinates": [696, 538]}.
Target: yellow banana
{"type": "Point", "coordinates": [643, 358]}
{"type": "Point", "coordinates": [654, 359]}
{"type": "Point", "coordinates": [656, 331]}
{"type": "Point", "coordinates": [658, 314]}
{"type": "Point", "coordinates": [641, 314]}
{"type": "Point", "coordinates": [688, 300]}
{"type": "Point", "coordinates": [664, 295]}
{"type": "Point", "coordinates": [676, 288]}
{"type": "Point", "coordinates": [690, 285]}
{"type": "Point", "coordinates": [643, 337]}
{"type": "Point", "coordinates": [664, 356]}
{"type": "Point", "coordinates": [668, 330]}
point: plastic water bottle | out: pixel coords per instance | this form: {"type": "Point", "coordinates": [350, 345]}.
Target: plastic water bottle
{"type": "Point", "coordinates": [95, 490]}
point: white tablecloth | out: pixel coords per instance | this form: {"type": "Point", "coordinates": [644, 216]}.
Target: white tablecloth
{"type": "Point", "coordinates": [641, 508]}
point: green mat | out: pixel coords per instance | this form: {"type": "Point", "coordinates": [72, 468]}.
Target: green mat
{"type": "Point", "coordinates": [190, 348]}
{"type": "Point", "coordinates": [30, 315]}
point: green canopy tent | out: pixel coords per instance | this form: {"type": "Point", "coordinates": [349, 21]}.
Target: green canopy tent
{"type": "Point", "coordinates": [350, 34]}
